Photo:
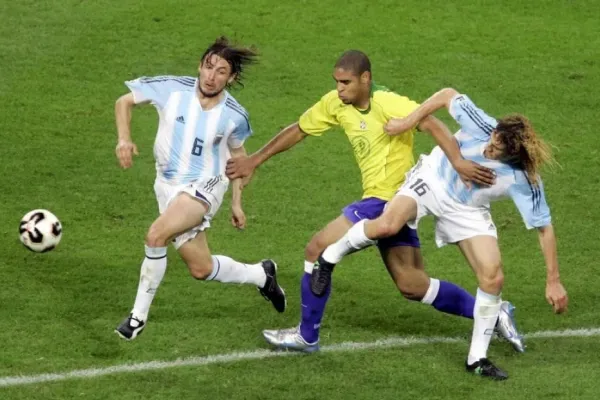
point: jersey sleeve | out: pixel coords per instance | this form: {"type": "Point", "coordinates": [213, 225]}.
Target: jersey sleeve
{"type": "Point", "coordinates": [157, 90]}
{"type": "Point", "coordinates": [472, 120]}
{"type": "Point", "coordinates": [531, 203]}
{"type": "Point", "coordinates": [320, 117]}
{"type": "Point", "coordinates": [240, 133]}
{"type": "Point", "coordinates": [396, 106]}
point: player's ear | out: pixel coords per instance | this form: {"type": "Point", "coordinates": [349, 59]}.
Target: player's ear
{"type": "Point", "coordinates": [365, 77]}
{"type": "Point", "coordinates": [231, 79]}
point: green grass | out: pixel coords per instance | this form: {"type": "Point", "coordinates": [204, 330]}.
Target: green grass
{"type": "Point", "coordinates": [63, 65]}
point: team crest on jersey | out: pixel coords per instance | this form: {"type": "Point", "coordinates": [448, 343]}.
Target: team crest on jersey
{"type": "Point", "coordinates": [363, 125]}
{"type": "Point", "coordinates": [361, 146]}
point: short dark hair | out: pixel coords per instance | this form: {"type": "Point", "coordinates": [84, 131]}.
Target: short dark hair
{"type": "Point", "coordinates": [237, 57]}
{"type": "Point", "coordinates": [355, 61]}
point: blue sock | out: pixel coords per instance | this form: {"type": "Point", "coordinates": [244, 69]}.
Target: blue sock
{"type": "Point", "coordinates": [313, 308]}
{"type": "Point", "coordinates": [453, 299]}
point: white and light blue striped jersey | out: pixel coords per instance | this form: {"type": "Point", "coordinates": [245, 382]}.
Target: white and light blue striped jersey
{"type": "Point", "coordinates": [191, 143]}
{"type": "Point", "coordinates": [473, 137]}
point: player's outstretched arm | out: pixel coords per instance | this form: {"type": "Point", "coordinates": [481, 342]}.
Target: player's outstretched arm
{"type": "Point", "coordinates": [556, 294]}
{"type": "Point", "coordinates": [242, 167]}
{"type": "Point", "coordinates": [125, 146]}
{"type": "Point", "coordinates": [238, 217]}
{"type": "Point", "coordinates": [439, 100]}
{"type": "Point", "coordinates": [468, 171]}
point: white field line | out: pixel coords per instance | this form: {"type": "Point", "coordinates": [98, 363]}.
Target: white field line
{"type": "Point", "coordinates": [262, 354]}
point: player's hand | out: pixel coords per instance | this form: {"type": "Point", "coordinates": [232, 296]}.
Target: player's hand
{"type": "Point", "coordinates": [240, 167]}
{"type": "Point", "coordinates": [470, 171]}
{"type": "Point", "coordinates": [238, 218]}
{"type": "Point", "coordinates": [396, 126]}
{"type": "Point", "coordinates": [125, 151]}
{"type": "Point", "coordinates": [556, 295]}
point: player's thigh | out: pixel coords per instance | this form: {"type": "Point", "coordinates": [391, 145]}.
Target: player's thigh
{"type": "Point", "coordinates": [331, 233]}
{"type": "Point", "coordinates": [196, 255]}
{"type": "Point", "coordinates": [183, 213]}
{"type": "Point", "coordinates": [406, 268]}
{"type": "Point", "coordinates": [483, 254]}
{"type": "Point", "coordinates": [402, 209]}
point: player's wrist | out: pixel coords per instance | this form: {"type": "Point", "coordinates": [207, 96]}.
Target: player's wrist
{"type": "Point", "coordinates": [124, 139]}
{"type": "Point", "coordinates": [257, 159]}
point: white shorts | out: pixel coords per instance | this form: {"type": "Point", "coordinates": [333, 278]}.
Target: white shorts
{"type": "Point", "coordinates": [454, 221]}
{"type": "Point", "coordinates": [208, 190]}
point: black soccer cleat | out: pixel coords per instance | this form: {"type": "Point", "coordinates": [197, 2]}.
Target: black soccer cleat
{"type": "Point", "coordinates": [321, 276]}
{"type": "Point", "coordinates": [130, 328]}
{"type": "Point", "coordinates": [485, 368]}
{"type": "Point", "coordinates": [272, 291]}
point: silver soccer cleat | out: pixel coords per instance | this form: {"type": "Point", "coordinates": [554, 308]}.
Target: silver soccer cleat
{"type": "Point", "coordinates": [506, 327]}
{"type": "Point", "coordinates": [289, 339]}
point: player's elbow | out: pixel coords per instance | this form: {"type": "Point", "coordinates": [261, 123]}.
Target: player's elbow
{"type": "Point", "coordinates": [125, 101]}
{"type": "Point", "coordinates": [449, 92]}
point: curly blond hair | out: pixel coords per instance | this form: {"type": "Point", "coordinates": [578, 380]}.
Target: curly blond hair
{"type": "Point", "coordinates": [524, 145]}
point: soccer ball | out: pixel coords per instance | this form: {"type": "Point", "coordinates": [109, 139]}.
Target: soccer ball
{"type": "Point", "coordinates": [40, 231]}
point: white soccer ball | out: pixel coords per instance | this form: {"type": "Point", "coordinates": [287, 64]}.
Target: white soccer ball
{"type": "Point", "coordinates": [40, 231]}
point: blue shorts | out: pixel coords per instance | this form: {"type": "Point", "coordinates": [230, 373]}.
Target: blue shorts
{"type": "Point", "coordinates": [371, 208]}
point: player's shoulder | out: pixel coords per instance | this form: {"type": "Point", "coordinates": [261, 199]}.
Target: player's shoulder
{"type": "Point", "coordinates": [172, 82]}
{"type": "Point", "coordinates": [383, 95]}
{"type": "Point", "coordinates": [235, 109]}
{"type": "Point", "coordinates": [523, 180]}
{"type": "Point", "coordinates": [331, 98]}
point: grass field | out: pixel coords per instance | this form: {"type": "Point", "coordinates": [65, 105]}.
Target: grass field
{"type": "Point", "coordinates": [62, 66]}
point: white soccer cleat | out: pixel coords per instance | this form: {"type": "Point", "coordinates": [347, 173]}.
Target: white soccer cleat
{"type": "Point", "coordinates": [289, 339]}
{"type": "Point", "coordinates": [506, 327]}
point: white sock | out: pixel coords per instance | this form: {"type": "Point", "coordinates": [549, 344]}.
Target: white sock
{"type": "Point", "coordinates": [151, 274]}
{"type": "Point", "coordinates": [227, 270]}
{"type": "Point", "coordinates": [308, 267]}
{"type": "Point", "coordinates": [432, 291]}
{"type": "Point", "coordinates": [354, 239]}
{"type": "Point", "coordinates": [487, 308]}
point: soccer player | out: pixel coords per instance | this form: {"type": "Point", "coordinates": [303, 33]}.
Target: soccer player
{"type": "Point", "coordinates": [510, 147]}
{"type": "Point", "coordinates": [362, 108]}
{"type": "Point", "coordinates": [200, 126]}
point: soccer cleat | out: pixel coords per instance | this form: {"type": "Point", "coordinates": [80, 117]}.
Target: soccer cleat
{"type": "Point", "coordinates": [320, 278]}
{"type": "Point", "coordinates": [506, 327]}
{"type": "Point", "coordinates": [290, 339]}
{"type": "Point", "coordinates": [485, 368]}
{"type": "Point", "coordinates": [130, 328]}
{"type": "Point", "coordinates": [272, 291]}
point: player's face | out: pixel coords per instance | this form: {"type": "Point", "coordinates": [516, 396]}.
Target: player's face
{"type": "Point", "coordinates": [495, 150]}
{"type": "Point", "coordinates": [213, 75]}
{"type": "Point", "coordinates": [351, 88]}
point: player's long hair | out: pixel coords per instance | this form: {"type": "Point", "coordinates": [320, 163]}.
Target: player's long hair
{"type": "Point", "coordinates": [524, 145]}
{"type": "Point", "coordinates": [237, 57]}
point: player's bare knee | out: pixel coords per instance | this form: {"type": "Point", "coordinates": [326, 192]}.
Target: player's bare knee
{"type": "Point", "coordinates": [200, 270]}
{"type": "Point", "coordinates": [155, 237]}
{"type": "Point", "coordinates": [491, 279]}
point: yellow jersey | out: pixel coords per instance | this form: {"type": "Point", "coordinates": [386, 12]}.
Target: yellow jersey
{"type": "Point", "coordinates": [383, 160]}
